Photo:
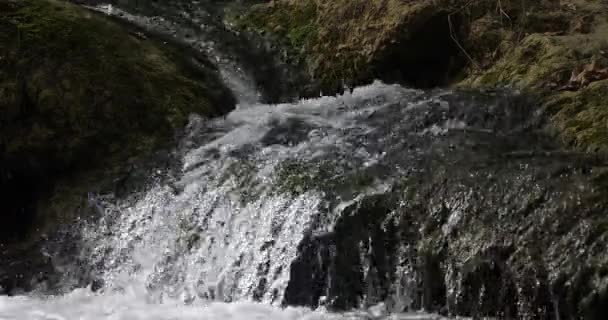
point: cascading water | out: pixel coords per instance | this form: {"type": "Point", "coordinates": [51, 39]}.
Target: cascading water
{"type": "Point", "coordinates": [227, 229]}
{"type": "Point", "coordinates": [366, 201]}
{"type": "Point", "coordinates": [229, 225]}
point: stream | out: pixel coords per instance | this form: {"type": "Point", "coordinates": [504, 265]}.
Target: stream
{"type": "Point", "coordinates": [320, 208]}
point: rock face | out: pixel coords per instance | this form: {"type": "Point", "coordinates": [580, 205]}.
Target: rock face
{"type": "Point", "coordinates": [81, 98]}
{"type": "Point", "coordinates": [492, 221]}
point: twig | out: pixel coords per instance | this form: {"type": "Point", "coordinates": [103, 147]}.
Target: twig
{"type": "Point", "coordinates": [455, 39]}
{"type": "Point", "coordinates": [502, 12]}
{"type": "Point", "coordinates": [466, 5]}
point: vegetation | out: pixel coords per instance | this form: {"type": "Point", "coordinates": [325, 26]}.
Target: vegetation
{"type": "Point", "coordinates": [297, 24]}
{"type": "Point", "coordinates": [337, 41]}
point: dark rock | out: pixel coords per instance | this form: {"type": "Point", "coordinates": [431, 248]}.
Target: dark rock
{"type": "Point", "coordinates": [477, 227]}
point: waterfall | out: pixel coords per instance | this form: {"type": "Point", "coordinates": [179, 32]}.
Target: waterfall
{"type": "Point", "coordinates": [336, 207]}
{"type": "Point", "coordinates": [229, 224]}
{"type": "Point", "coordinates": [227, 228]}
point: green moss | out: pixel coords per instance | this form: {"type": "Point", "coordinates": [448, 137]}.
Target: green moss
{"type": "Point", "coordinates": [537, 61]}
{"type": "Point", "coordinates": [544, 62]}
{"type": "Point", "coordinates": [552, 21]}
{"type": "Point", "coordinates": [299, 177]}
{"type": "Point", "coordinates": [582, 117]}
{"type": "Point", "coordinates": [295, 24]}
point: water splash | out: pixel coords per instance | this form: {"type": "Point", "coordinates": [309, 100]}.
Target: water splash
{"type": "Point", "coordinates": [222, 234]}
{"type": "Point", "coordinates": [82, 304]}
{"type": "Point", "coordinates": [225, 230]}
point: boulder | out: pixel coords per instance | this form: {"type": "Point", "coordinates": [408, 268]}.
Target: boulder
{"type": "Point", "coordinates": [81, 98]}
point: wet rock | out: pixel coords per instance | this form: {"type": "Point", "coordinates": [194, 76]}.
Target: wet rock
{"type": "Point", "coordinates": [475, 228]}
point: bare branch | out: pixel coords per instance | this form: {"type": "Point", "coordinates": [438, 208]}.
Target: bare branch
{"type": "Point", "coordinates": [455, 39]}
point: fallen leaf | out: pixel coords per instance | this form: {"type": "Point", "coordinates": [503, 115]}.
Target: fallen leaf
{"type": "Point", "coordinates": [584, 75]}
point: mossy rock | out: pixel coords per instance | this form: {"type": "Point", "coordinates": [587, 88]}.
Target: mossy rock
{"type": "Point", "coordinates": [536, 62]}
{"type": "Point", "coordinates": [582, 117]}
{"type": "Point", "coordinates": [419, 43]}
{"type": "Point", "coordinates": [293, 22]}
{"type": "Point", "coordinates": [347, 43]}
{"type": "Point", "coordinates": [556, 44]}
{"type": "Point", "coordinates": [79, 92]}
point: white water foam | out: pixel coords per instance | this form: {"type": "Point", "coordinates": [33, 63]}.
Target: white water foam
{"type": "Point", "coordinates": [84, 305]}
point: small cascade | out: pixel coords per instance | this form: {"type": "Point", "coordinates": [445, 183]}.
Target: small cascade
{"type": "Point", "coordinates": [383, 202]}
{"type": "Point", "coordinates": [229, 227]}
{"type": "Point", "coordinates": [306, 203]}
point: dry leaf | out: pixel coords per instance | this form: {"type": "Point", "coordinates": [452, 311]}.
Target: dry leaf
{"type": "Point", "coordinates": [583, 76]}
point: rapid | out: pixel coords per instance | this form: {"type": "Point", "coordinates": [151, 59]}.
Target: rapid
{"type": "Point", "coordinates": [370, 204]}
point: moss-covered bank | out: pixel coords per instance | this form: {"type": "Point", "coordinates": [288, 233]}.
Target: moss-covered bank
{"type": "Point", "coordinates": [83, 96]}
